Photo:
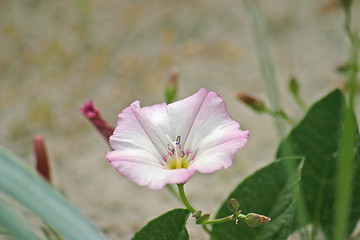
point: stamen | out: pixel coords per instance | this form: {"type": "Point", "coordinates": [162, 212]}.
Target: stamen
{"type": "Point", "coordinates": [177, 140]}
{"type": "Point", "coordinates": [177, 158]}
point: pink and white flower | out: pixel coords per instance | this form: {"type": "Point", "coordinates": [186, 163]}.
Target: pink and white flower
{"type": "Point", "coordinates": [166, 144]}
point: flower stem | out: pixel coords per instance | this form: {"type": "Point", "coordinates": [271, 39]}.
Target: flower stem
{"type": "Point", "coordinates": [184, 199]}
{"type": "Point", "coordinates": [231, 217]}
{"type": "Point", "coordinates": [300, 102]}
{"type": "Point", "coordinates": [281, 114]}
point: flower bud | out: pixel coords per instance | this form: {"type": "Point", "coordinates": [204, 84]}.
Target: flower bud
{"type": "Point", "coordinates": [293, 85]}
{"type": "Point", "coordinates": [197, 214]}
{"type": "Point", "coordinates": [233, 205]}
{"type": "Point", "coordinates": [252, 102]}
{"type": "Point", "coordinates": [202, 219]}
{"type": "Point", "coordinates": [256, 220]}
{"type": "Point", "coordinates": [171, 86]}
{"type": "Point", "coordinates": [42, 162]}
{"type": "Point", "coordinates": [93, 114]}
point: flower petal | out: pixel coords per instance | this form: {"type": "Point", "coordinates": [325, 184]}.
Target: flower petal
{"type": "Point", "coordinates": [144, 128]}
{"type": "Point", "coordinates": [155, 122]}
{"type": "Point", "coordinates": [130, 134]}
{"type": "Point", "coordinates": [220, 156]}
{"type": "Point", "coordinates": [183, 113]}
{"type": "Point", "coordinates": [214, 133]}
{"type": "Point", "coordinates": [137, 166]}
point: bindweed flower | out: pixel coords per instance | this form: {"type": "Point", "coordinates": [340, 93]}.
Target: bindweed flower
{"type": "Point", "coordinates": [166, 144]}
{"type": "Point", "coordinates": [93, 114]}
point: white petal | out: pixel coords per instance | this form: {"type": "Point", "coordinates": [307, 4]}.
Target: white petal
{"type": "Point", "coordinates": [219, 156]}
{"type": "Point", "coordinates": [130, 134]}
{"type": "Point", "coordinates": [213, 127]}
{"type": "Point", "coordinates": [155, 122]}
{"type": "Point", "coordinates": [144, 128]}
{"type": "Point", "coordinates": [138, 167]}
{"type": "Point", "coordinates": [183, 113]}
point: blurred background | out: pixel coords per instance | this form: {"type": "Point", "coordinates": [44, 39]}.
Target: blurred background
{"type": "Point", "coordinates": [56, 55]}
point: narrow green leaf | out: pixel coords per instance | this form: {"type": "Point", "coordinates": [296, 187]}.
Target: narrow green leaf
{"type": "Point", "coordinates": [270, 191]}
{"type": "Point", "coordinates": [169, 226]}
{"type": "Point", "coordinates": [25, 186]}
{"type": "Point", "coordinates": [13, 225]}
{"type": "Point", "coordinates": [317, 137]}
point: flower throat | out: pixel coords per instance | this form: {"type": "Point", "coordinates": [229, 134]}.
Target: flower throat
{"type": "Point", "coordinates": [176, 158]}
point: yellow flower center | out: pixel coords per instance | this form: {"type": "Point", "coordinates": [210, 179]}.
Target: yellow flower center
{"type": "Point", "coordinates": [177, 163]}
{"type": "Point", "coordinates": [177, 158]}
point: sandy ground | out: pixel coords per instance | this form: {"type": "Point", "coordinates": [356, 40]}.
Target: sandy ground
{"type": "Point", "coordinates": [55, 55]}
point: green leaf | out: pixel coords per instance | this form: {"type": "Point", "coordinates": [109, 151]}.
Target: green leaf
{"type": "Point", "coordinates": [270, 191]}
{"type": "Point", "coordinates": [25, 186]}
{"type": "Point", "coordinates": [317, 137]}
{"type": "Point", "coordinates": [13, 225]}
{"type": "Point", "coordinates": [169, 226]}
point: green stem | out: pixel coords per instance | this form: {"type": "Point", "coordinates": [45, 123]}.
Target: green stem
{"type": "Point", "coordinates": [280, 114]}
{"type": "Point", "coordinates": [241, 217]}
{"type": "Point", "coordinates": [346, 159]}
{"type": "Point", "coordinates": [300, 102]}
{"type": "Point", "coordinates": [184, 199]}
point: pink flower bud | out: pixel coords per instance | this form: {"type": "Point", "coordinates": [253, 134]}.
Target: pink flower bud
{"type": "Point", "coordinates": [256, 220]}
{"type": "Point", "coordinates": [252, 102]}
{"type": "Point", "coordinates": [42, 162]}
{"type": "Point", "coordinates": [93, 114]}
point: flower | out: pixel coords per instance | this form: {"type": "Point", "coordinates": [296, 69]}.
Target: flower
{"type": "Point", "coordinates": [166, 144]}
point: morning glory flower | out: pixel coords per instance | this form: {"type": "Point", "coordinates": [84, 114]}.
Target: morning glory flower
{"type": "Point", "coordinates": [166, 144]}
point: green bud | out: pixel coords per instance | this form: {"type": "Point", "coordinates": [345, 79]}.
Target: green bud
{"type": "Point", "coordinates": [293, 85]}
{"type": "Point", "coordinates": [233, 205]}
{"type": "Point", "coordinates": [252, 102]}
{"type": "Point", "coordinates": [197, 214]}
{"type": "Point", "coordinates": [171, 87]}
{"type": "Point", "coordinates": [256, 220]}
{"type": "Point", "coordinates": [203, 219]}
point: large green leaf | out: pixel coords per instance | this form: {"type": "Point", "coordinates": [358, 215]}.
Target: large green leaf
{"type": "Point", "coordinates": [317, 137]}
{"type": "Point", "coordinates": [13, 225]}
{"type": "Point", "coordinates": [169, 226]}
{"type": "Point", "coordinates": [25, 186]}
{"type": "Point", "coordinates": [270, 191]}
